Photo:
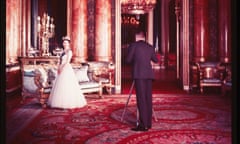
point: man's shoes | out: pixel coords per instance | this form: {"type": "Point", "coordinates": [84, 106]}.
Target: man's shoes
{"type": "Point", "coordinates": [149, 127]}
{"type": "Point", "coordinates": [139, 129]}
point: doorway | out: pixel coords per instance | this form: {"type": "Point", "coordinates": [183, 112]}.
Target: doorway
{"type": "Point", "coordinates": [166, 80]}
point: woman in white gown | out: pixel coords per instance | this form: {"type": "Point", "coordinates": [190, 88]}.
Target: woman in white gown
{"type": "Point", "coordinates": [66, 92]}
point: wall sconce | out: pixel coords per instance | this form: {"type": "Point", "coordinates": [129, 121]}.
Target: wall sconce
{"type": "Point", "coordinates": [137, 6]}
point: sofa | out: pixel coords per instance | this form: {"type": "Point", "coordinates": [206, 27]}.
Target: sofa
{"type": "Point", "coordinates": [86, 79]}
{"type": "Point", "coordinates": [104, 73]}
{"type": "Point", "coordinates": [37, 80]}
{"type": "Point", "coordinates": [95, 73]}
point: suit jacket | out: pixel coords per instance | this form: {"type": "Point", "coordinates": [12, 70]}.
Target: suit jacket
{"type": "Point", "coordinates": [140, 54]}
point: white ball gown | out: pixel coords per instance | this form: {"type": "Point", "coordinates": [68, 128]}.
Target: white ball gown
{"type": "Point", "coordinates": [66, 92]}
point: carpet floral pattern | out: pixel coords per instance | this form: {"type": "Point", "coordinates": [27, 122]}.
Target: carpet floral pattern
{"type": "Point", "coordinates": [177, 119]}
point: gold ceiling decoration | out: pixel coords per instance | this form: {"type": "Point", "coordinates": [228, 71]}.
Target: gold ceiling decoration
{"type": "Point", "coordinates": [137, 6]}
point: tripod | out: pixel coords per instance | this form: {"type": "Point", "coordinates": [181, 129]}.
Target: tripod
{"type": "Point", "coordinates": [126, 105]}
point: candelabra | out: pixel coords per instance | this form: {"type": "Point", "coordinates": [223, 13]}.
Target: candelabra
{"type": "Point", "coordinates": [45, 31]}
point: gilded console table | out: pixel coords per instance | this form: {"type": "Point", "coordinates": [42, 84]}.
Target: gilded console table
{"type": "Point", "coordinates": [39, 60]}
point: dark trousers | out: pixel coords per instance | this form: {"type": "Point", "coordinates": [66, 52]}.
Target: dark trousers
{"type": "Point", "coordinates": [144, 101]}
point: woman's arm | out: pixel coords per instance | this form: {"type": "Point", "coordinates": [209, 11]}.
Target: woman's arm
{"type": "Point", "coordinates": [69, 56]}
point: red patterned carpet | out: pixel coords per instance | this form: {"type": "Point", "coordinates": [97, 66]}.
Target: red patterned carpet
{"type": "Point", "coordinates": [180, 119]}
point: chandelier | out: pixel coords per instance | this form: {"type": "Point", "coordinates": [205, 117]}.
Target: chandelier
{"type": "Point", "coordinates": [137, 6]}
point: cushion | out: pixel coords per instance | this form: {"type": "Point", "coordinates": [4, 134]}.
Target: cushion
{"type": "Point", "coordinates": [29, 73]}
{"type": "Point", "coordinates": [212, 80]}
{"type": "Point", "coordinates": [52, 73]}
{"type": "Point", "coordinates": [209, 64]}
{"type": "Point", "coordinates": [29, 84]}
{"type": "Point", "coordinates": [228, 83]}
{"type": "Point", "coordinates": [104, 80]}
{"type": "Point", "coordinates": [28, 79]}
{"type": "Point", "coordinates": [82, 74]}
{"type": "Point", "coordinates": [86, 85]}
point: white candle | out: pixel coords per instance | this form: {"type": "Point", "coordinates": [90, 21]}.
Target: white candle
{"type": "Point", "coordinates": [39, 24]}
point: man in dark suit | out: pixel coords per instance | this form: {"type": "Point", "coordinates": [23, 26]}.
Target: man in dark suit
{"type": "Point", "coordinates": [140, 55]}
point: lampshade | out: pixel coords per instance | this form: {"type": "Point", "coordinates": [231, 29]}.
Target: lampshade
{"type": "Point", "coordinates": [137, 6]}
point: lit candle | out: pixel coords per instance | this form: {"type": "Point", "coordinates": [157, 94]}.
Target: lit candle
{"type": "Point", "coordinates": [39, 23]}
{"type": "Point", "coordinates": [44, 15]}
{"type": "Point", "coordinates": [47, 22]}
{"type": "Point", "coordinates": [52, 20]}
{"type": "Point", "coordinates": [52, 28]}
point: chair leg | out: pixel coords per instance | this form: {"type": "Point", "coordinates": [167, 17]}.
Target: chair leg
{"type": "Point", "coordinates": [225, 90]}
{"type": "Point", "coordinates": [201, 89]}
{"type": "Point", "coordinates": [43, 99]}
{"type": "Point", "coordinates": [100, 92]}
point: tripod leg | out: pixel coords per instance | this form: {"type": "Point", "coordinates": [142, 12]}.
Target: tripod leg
{"type": "Point", "coordinates": [137, 121]}
{"type": "Point", "coordinates": [137, 112]}
{"type": "Point", "coordinates": [130, 93]}
{"type": "Point", "coordinates": [154, 115]}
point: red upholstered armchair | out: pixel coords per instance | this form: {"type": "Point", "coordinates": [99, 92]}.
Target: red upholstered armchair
{"type": "Point", "coordinates": [227, 82]}
{"type": "Point", "coordinates": [210, 74]}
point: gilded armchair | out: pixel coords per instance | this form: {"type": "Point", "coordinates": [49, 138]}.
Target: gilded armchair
{"type": "Point", "coordinates": [209, 74]}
